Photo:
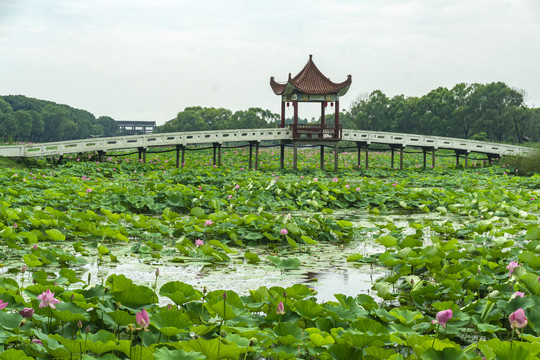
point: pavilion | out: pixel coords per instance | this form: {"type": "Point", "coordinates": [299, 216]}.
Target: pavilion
{"type": "Point", "coordinates": [311, 85]}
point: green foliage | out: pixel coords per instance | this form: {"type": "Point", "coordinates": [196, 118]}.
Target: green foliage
{"type": "Point", "coordinates": [29, 119]}
{"type": "Point", "coordinates": [425, 261]}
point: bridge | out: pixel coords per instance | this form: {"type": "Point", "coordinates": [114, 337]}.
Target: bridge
{"type": "Point", "coordinates": [292, 136]}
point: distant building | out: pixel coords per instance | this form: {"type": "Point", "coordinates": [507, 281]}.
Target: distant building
{"type": "Point", "coordinates": [136, 127]}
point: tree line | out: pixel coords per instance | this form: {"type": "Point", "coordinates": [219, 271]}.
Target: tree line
{"type": "Point", "coordinates": [196, 118]}
{"type": "Point", "coordinates": [492, 112]}
{"type": "Point", "coordinates": [27, 119]}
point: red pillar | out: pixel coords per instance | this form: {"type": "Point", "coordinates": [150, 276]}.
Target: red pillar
{"type": "Point", "coordinates": [282, 113]}
{"type": "Point", "coordinates": [322, 113]}
{"type": "Point", "coordinates": [295, 121]}
{"type": "Point", "coordinates": [295, 104]}
{"type": "Point", "coordinates": [321, 134]}
{"type": "Point", "coordinates": [336, 116]}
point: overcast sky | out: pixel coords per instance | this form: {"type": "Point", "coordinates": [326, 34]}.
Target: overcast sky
{"type": "Point", "coordinates": [149, 59]}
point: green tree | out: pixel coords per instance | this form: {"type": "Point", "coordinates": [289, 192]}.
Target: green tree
{"type": "Point", "coordinates": [24, 124]}
{"type": "Point", "coordinates": [370, 113]}
{"type": "Point", "coordinates": [56, 123]}
{"type": "Point", "coordinates": [109, 126]}
{"type": "Point", "coordinates": [38, 126]}
{"type": "Point", "coordinates": [8, 124]}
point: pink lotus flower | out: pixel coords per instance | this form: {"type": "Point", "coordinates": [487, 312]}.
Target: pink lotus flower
{"type": "Point", "coordinates": [208, 222]}
{"type": "Point", "coordinates": [37, 341]}
{"type": "Point", "coordinates": [280, 308]}
{"type": "Point", "coordinates": [357, 189]}
{"type": "Point", "coordinates": [518, 294]}
{"type": "Point", "coordinates": [510, 267]}
{"type": "Point", "coordinates": [3, 304]}
{"type": "Point", "coordinates": [88, 191]}
{"type": "Point", "coordinates": [236, 186]}
{"type": "Point", "coordinates": [518, 320]}
{"type": "Point", "coordinates": [34, 247]}
{"type": "Point", "coordinates": [47, 299]}
{"type": "Point", "coordinates": [283, 231]}
{"type": "Point", "coordinates": [26, 313]}
{"type": "Point", "coordinates": [443, 317]}
{"type": "Point", "coordinates": [199, 242]}
{"type": "Point", "coordinates": [142, 319]}
{"type": "Point", "coordinates": [335, 180]}
{"type": "Point", "coordinates": [15, 225]}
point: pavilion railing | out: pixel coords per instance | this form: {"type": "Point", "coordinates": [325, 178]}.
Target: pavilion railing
{"type": "Point", "coordinates": [320, 131]}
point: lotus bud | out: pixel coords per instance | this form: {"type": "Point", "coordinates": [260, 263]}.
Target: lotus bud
{"type": "Point", "coordinates": [253, 341]}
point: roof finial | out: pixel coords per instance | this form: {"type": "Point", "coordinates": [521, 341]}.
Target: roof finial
{"type": "Point", "coordinates": [310, 56]}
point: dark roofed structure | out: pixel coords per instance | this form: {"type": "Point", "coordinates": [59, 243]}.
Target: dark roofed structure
{"type": "Point", "coordinates": [311, 85]}
{"type": "Point", "coordinates": [310, 81]}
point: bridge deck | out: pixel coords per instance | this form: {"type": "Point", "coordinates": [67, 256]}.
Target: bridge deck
{"type": "Point", "coordinates": [257, 135]}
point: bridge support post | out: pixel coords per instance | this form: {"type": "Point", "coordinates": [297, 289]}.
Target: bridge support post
{"type": "Point", "coordinates": [60, 159]}
{"type": "Point", "coordinates": [216, 146]}
{"type": "Point", "coordinates": [458, 155]}
{"type": "Point", "coordinates": [142, 154]}
{"type": "Point", "coordinates": [322, 156]}
{"type": "Point", "coordinates": [424, 151]}
{"type": "Point", "coordinates": [250, 154]}
{"type": "Point", "coordinates": [367, 156]}
{"type": "Point", "coordinates": [256, 143]}
{"type": "Point", "coordinates": [257, 155]}
{"type": "Point", "coordinates": [336, 156]}
{"type": "Point", "coordinates": [433, 158]}
{"type": "Point", "coordinates": [100, 154]}
{"type": "Point", "coordinates": [178, 148]}
{"type": "Point", "coordinates": [359, 146]}
{"type": "Point", "coordinates": [393, 148]}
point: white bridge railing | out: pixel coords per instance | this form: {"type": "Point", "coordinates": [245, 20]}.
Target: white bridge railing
{"type": "Point", "coordinates": [245, 135]}
{"type": "Point", "coordinates": [433, 142]}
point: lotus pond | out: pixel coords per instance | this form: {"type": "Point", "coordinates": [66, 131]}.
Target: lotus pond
{"type": "Point", "coordinates": [119, 259]}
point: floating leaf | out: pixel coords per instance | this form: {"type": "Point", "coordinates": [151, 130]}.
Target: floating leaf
{"type": "Point", "coordinates": [55, 234]}
{"type": "Point", "coordinates": [285, 264]}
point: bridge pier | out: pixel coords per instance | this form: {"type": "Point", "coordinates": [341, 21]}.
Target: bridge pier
{"type": "Point", "coordinates": [367, 156]}
{"type": "Point", "coordinates": [393, 147]}
{"type": "Point", "coordinates": [359, 145]}
{"type": "Point", "coordinates": [425, 151]}
{"type": "Point", "coordinates": [142, 154]}
{"type": "Point", "coordinates": [178, 148]}
{"type": "Point", "coordinates": [491, 157]}
{"type": "Point", "coordinates": [216, 146]}
{"type": "Point", "coordinates": [459, 153]}
{"type": "Point", "coordinates": [100, 154]}
{"type": "Point", "coordinates": [256, 143]}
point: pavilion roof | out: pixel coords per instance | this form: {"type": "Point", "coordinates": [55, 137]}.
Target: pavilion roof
{"type": "Point", "coordinates": [310, 81]}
